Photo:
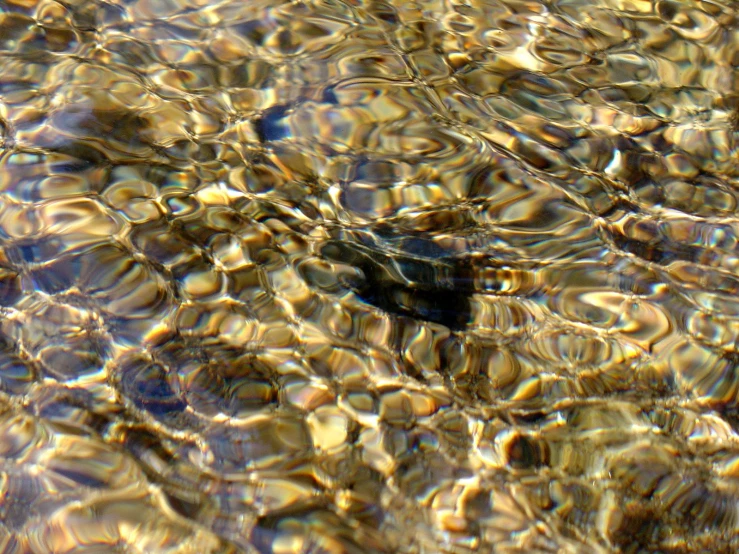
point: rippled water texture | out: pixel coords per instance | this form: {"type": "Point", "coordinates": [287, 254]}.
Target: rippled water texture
{"type": "Point", "coordinates": [369, 278]}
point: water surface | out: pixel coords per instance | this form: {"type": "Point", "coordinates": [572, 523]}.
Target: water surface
{"type": "Point", "coordinates": [369, 277]}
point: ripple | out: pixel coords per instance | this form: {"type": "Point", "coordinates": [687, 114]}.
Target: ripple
{"type": "Point", "coordinates": [368, 277]}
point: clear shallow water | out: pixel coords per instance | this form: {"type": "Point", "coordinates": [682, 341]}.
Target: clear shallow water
{"type": "Point", "coordinates": [368, 277]}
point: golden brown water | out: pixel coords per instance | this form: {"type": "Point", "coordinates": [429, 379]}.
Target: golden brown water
{"type": "Point", "coordinates": [366, 277]}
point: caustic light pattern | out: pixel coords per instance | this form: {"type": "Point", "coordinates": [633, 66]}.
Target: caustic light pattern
{"type": "Point", "coordinates": [369, 277]}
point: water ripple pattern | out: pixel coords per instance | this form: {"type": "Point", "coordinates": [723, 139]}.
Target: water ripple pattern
{"type": "Point", "coordinates": [369, 277]}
